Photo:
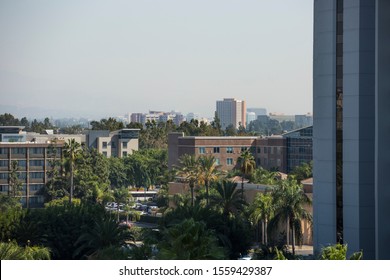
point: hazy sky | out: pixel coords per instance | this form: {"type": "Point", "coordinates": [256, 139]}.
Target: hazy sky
{"type": "Point", "coordinates": [108, 58]}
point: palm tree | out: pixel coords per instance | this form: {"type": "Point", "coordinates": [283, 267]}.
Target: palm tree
{"type": "Point", "coordinates": [189, 170]}
{"type": "Point", "coordinates": [105, 233]}
{"type": "Point", "coordinates": [208, 172]}
{"type": "Point", "coordinates": [247, 164]}
{"type": "Point", "coordinates": [189, 240]}
{"type": "Point", "coordinates": [262, 210]}
{"type": "Point", "coordinates": [263, 176]}
{"type": "Point", "coordinates": [228, 198]}
{"type": "Point", "coordinates": [290, 201]}
{"type": "Point", "coordinates": [11, 251]}
{"type": "Point", "coordinates": [71, 152]}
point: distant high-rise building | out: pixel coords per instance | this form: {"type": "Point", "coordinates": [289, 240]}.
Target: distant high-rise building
{"type": "Point", "coordinates": [137, 117]}
{"type": "Point", "coordinates": [231, 112]}
{"type": "Point", "coordinates": [250, 116]}
{"type": "Point", "coordinates": [351, 86]}
{"type": "Point", "coordinates": [192, 116]}
{"type": "Point", "coordinates": [258, 111]}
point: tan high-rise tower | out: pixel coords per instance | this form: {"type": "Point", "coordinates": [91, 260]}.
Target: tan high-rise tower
{"type": "Point", "coordinates": [231, 112]}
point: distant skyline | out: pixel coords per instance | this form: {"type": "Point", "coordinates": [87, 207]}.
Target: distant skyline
{"type": "Point", "coordinates": [108, 58]}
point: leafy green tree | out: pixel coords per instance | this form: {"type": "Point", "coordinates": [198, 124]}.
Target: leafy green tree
{"type": "Point", "coordinates": [208, 173]}
{"type": "Point", "coordinates": [8, 202]}
{"type": "Point", "coordinates": [303, 171]}
{"type": "Point", "coordinates": [117, 172]}
{"type": "Point", "coordinates": [92, 176]}
{"type": "Point", "coordinates": [290, 201]}
{"type": "Point", "coordinates": [230, 130]}
{"type": "Point", "coordinates": [55, 186]}
{"type": "Point", "coordinates": [121, 195]}
{"type": "Point", "coordinates": [8, 120]}
{"type": "Point", "coordinates": [10, 213]}
{"type": "Point", "coordinates": [63, 225]}
{"type": "Point", "coordinates": [110, 124]}
{"type": "Point", "coordinates": [71, 152]}
{"type": "Point", "coordinates": [189, 240]}
{"type": "Point", "coordinates": [189, 170]}
{"type": "Point", "coordinates": [247, 164]}
{"type": "Point", "coordinates": [14, 183]}
{"type": "Point", "coordinates": [228, 199]}
{"type": "Point", "coordinates": [287, 125]}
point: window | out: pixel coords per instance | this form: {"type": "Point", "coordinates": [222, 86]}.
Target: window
{"type": "Point", "coordinates": [265, 150]}
{"type": "Point", "coordinates": [259, 150]}
{"type": "Point", "coordinates": [275, 150]}
{"type": "Point", "coordinates": [22, 163]}
{"type": "Point", "coordinates": [36, 162]}
{"type": "Point", "coordinates": [124, 154]}
{"type": "Point", "coordinates": [37, 175]}
{"type": "Point", "coordinates": [229, 150]}
{"type": "Point", "coordinates": [36, 151]}
{"type": "Point", "coordinates": [217, 161]}
{"type": "Point", "coordinates": [243, 149]}
{"type": "Point", "coordinates": [3, 175]}
{"type": "Point", "coordinates": [202, 150]}
{"type": "Point", "coordinates": [36, 187]}
{"type": "Point", "coordinates": [3, 188]}
{"type": "Point", "coordinates": [113, 145]}
{"type": "Point", "coordinates": [259, 161]}
{"type": "Point", "coordinates": [3, 151]}
{"type": "Point", "coordinates": [229, 161]}
{"type": "Point", "coordinates": [4, 163]}
{"type": "Point", "coordinates": [17, 151]}
{"type": "Point", "coordinates": [104, 144]}
{"type": "Point", "coordinates": [216, 150]}
{"type": "Point", "coordinates": [124, 145]}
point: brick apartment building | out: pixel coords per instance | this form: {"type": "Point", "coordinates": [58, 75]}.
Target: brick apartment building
{"type": "Point", "coordinates": [281, 152]}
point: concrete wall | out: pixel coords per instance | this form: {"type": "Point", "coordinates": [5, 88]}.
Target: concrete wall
{"type": "Point", "coordinates": [359, 125]}
{"type": "Point", "coordinates": [324, 124]}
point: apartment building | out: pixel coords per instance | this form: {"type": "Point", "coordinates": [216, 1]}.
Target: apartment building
{"type": "Point", "coordinates": [33, 163]}
{"type": "Point", "coordinates": [120, 143]}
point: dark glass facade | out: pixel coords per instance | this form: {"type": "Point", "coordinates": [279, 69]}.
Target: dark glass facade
{"type": "Point", "coordinates": [299, 147]}
{"type": "Point", "coordinates": [339, 121]}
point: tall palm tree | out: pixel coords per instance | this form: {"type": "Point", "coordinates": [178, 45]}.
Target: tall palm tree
{"type": "Point", "coordinates": [208, 172]}
{"type": "Point", "coordinates": [262, 210]}
{"type": "Point", "coordinates": [247, 164]}
{"type": "Point", "coordinates": [189, 170]}
{"type": "Point", "coordinates": [228, 198]}
{"type": "Point", "coordinates": [290, 201]}
{"type": "Point", "coordinates": [71, 151]}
